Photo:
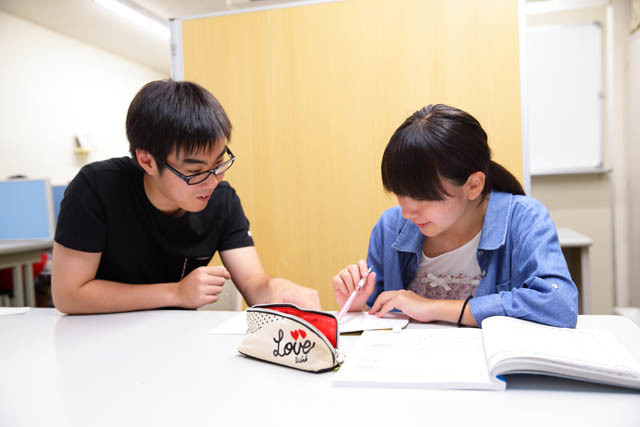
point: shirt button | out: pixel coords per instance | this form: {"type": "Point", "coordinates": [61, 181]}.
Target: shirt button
{"type": "Point", "coordinates": [484, 273]}
{"type": "Point", "coordinates": [480, 252]}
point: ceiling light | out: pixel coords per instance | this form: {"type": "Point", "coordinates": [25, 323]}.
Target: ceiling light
{"type": "Point", "coordinates": [136, 17]}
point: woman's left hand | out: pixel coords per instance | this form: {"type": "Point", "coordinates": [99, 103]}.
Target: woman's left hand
{"type": "Point", "coordinates": [410, 303]}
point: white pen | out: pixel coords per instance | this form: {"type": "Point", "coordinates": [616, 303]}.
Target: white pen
{"type": "Point", "coordinates": [359, 286]}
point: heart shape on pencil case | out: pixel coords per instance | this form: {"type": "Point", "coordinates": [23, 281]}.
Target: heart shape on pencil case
{"type": "Point", "coordinates": [300, 332]}
{"type": "Point", "coordinates": [287, 335]}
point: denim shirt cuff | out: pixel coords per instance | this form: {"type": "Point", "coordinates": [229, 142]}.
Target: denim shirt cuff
{"type": "Point", "coordinates": [486, 306]}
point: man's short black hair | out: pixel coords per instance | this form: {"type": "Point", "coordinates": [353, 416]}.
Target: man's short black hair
{"type": "Point", "coordinates": [166, 115]}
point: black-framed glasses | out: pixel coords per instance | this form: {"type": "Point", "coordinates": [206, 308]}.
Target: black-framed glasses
{"type": "Point", "coordinates": [199, 177]}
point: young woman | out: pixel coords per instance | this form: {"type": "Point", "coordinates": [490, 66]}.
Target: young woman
{"type": "Point", "coordinates": [465, 243]}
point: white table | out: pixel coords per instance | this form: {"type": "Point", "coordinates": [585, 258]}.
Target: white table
{"type": "Point", "coordinates": [575, 247]}
{"type": "Point", "coordinates": [16, 254]}
{"type": "Point", "coordinates": [632, 313]}
{"type": "Point", "coordinates": [161, 368]}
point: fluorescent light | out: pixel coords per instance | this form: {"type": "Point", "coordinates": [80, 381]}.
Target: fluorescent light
{"type": "Point", "coordinates": [136, 17]}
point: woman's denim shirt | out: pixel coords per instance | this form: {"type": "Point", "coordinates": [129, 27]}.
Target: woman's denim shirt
{"type": "Point", "coordinates": [524, 271]}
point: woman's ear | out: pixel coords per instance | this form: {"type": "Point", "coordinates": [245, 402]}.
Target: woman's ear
{"type": "Point", "coordinates": [146, 161]}
{"type": "Point", "coordinates": [475, 185]}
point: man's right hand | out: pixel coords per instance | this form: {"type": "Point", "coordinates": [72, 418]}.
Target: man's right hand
{"type": "Point", "coordinates": [200, 287]}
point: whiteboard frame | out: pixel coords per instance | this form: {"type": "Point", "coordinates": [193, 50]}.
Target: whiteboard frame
{"type": "Point", "coordinates": [177, 58]}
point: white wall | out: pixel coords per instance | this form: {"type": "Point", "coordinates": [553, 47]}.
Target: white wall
{"type": "Point", "coordinates": [585, 202]}
{"type": "Point", "coordinates": [53, 87]}
{"type": "Point", "coordinates": [633, 158]}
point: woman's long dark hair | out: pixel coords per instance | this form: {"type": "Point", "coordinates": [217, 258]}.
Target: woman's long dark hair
{"type": "Point", "coordinates": [438, 142]}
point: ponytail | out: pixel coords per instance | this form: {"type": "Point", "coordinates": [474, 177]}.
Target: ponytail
{"type": "Point", "coordinates": [500, 179]}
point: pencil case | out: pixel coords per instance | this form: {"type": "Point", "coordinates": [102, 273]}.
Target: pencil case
{"type": "Point", "coordinates": [287, 335]}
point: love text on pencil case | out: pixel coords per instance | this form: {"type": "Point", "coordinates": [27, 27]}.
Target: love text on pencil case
{"type": "Point", "coordinates": [296, 347]}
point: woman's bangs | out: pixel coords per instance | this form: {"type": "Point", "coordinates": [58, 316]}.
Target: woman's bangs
{"type": "Point", "coordinates": [409, 170]}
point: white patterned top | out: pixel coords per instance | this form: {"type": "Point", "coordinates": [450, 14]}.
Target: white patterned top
{"type": "Point", "coordinates": [452, 275]}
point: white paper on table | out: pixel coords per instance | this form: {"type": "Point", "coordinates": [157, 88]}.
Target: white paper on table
{"type": "Point", "coordinates": [236, 325]}
{"type": "Point", "coordinates": [352, 322]}
{"type": "Point", "coordinates": [13, 310]}
{"type": "Point", "coordinates": [363, 321]}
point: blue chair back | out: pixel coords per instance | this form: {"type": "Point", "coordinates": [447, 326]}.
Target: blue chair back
{"type": "Point", "coordinates": [26, 209]}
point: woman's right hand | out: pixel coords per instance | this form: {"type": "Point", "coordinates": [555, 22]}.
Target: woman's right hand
{"type": "Point", "coordinates": [344, 283]}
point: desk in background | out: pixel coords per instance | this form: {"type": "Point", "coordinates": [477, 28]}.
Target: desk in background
{"type": "Point", "coordinates": [26, 230]}
{"type": "Point", "coordinates": [16, 255]}
{"type": "Point", "coordinates": [161, 368]}
{"type": "Point", "coordinates": [575, 247]}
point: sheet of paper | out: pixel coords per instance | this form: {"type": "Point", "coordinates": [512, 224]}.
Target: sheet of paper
{"type": "Point", "coordinates": [236, 325]}
{"type": "Point", "coordinates": [352, 322]}
{"type": "Point", "coordinates": [13, 310]}
{"type": "Point", "coordinates": [362, 321]}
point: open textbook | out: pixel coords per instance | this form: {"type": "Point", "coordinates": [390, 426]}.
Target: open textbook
{"type": "Point", "coordinates": [477, 358]}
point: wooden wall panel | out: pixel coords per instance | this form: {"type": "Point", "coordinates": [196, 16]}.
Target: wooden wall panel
{"type": "Point", "coordinates": [314, 93]}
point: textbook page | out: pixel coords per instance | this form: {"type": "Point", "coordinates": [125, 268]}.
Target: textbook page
{"type": "Point", "coordinates": [418, 358]}
{"type": "Point", "coordinates": [518, 346]}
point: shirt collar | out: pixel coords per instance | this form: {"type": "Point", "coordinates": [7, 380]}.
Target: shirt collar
{"type": "Point", "coordinates": [410, 238]}
{"type": "Point", "coordinates": [496, 221]}
{"type": "Point", "coordinates": [494, 227]}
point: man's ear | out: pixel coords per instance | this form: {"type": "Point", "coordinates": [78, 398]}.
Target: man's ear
{"type": "Point", "coordinates": [146, 161]}
{"type": "Point", "coordinates": [475, 185]}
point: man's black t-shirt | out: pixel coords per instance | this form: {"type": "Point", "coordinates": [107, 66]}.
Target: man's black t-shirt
{"type": "Point", "coordinates": [105, 209]}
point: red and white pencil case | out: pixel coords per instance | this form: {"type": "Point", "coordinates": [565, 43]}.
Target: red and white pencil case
{"type": "Point", "coordinates": [287, 335]}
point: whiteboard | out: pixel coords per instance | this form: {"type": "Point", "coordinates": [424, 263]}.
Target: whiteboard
{"type": "Point", "coordinates": [564, 85]}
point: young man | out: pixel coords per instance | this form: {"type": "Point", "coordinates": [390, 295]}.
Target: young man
{"type": "Point", "coordinates": [137, 234]}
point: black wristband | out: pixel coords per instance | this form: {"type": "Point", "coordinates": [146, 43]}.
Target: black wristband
{"type": "Point", "coordinates": [464, 305]}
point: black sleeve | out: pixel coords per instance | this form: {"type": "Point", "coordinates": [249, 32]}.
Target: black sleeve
{"type": "Point", "coordinates": [236, 232]}
{"type": "Point", "coordinates": [81, 221]}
